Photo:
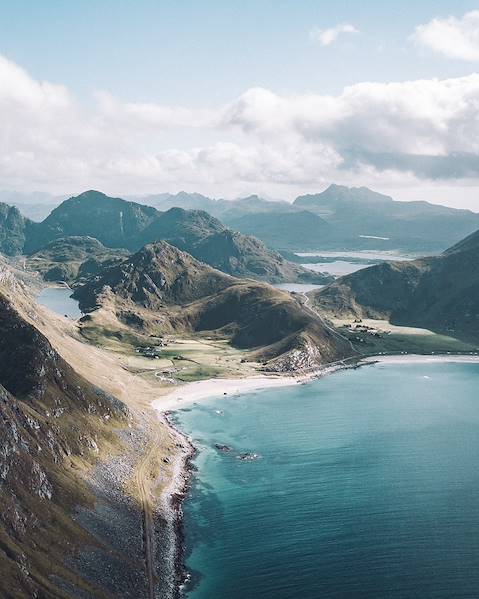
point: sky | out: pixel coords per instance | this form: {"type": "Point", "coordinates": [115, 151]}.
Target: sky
{"type": "Point", "coordinates": [277, 98]}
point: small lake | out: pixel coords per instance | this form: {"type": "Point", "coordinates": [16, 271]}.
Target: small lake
{"type": "Point", "coordinates": [59, 300]}
{"type": "Point", "coordinates": [366, 487]}
{"type": "Point", "coordinates": [298, 287]}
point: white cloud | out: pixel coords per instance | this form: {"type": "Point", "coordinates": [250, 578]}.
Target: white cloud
{"type": "Point", "coordinates": [326, 37]}
{"type": "Point", "coordinates": [377, 134]}
{"type": "Point", "coordinates": [451, 37]}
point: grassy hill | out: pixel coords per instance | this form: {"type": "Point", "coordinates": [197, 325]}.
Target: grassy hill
{"type": "Point", "coordinates": [72, 258]}
{"type": "Point", "coordinates": [162, 290]}
{"type": "Point", "coordinates": [440, 293]}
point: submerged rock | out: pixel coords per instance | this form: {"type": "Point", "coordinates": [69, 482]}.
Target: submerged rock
{"type": "Point", "coordinates": [223, 448]}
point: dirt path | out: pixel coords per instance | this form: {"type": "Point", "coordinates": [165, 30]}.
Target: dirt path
{"type": "Point", "coordinates": [144, 490]}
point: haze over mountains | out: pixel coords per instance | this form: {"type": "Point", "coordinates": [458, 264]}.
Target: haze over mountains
{"type": "Point", "coordinates": [339, 218]}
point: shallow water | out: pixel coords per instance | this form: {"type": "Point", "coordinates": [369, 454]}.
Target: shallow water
{"type": "Point", "coordinates": [366, 254]}
{"type": "Point", "coordinates": [367, 487]}
{"type": "Point", "coordinates": [338, 268]}
{"type": "Point", "coordinates": [59, 300]}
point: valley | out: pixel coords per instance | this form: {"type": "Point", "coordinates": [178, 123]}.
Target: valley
{"type": "Point", "coordinates": [156, 329]}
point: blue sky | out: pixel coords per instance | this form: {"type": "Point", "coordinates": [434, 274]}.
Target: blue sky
{"type": "Point", "coordinates": [205, 56]}
{"type": "Point", "coordinates": [206, 52]}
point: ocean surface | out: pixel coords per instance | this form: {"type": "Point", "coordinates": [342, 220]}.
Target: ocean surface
{"type": "Point", "coordinates": [59, 300]}
{"type": "Point", "coordinates": [367, 486]}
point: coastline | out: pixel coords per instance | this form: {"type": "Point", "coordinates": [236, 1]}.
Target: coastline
{"type": "Point", "coordinates": [171, 511]}
{"type": "Point", "coordinates": [170, 503]}
{"type": "Point", "coordinates": [173, 496]}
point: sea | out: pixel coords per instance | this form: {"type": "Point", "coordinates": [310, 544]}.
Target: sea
{"type": "Point", "coordinates": [363, 484]}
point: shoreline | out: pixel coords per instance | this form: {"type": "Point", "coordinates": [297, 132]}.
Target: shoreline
{"type": "Point", "coordinates": [173, 496]}
{"type": "Point", "coordinates": [170, 503]}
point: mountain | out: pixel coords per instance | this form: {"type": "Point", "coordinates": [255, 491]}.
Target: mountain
{"type": "Point", "coordinates": [164, 290]}
{"type": "Point", "coordinates": [225, 210]}
{"type": "Point", "coordinates": [71, 258]}
{"type": "Point", "coordinates": [361, 218]}
{"type": "Point", "coordinates": [53, 424]}
{"type": "Point", "coordinates": [182, 199]}
{"type": "Point", "coordinates": [117, 223]}
{"type": "Point", "coordinates": [286, 230]}
{"type": "Point", "coordinates": [339, 218]}
{"type": "Point", "coordinates": [13, 230]}
{"type": "Point", "coordinates": [439, 293]}
{"type": "Point", "coordinates": [113, 221]}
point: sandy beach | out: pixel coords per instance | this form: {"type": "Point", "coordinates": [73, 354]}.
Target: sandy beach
{"type": "Point", "coordinates": [421, 359]}
{"type": "Point", "coordinates": [202, 390]}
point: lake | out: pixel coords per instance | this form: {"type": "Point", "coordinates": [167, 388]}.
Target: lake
{"type": "Point", "coordinates": [59, 300]}
{"type": "Point", "coordinates": [367, 486]}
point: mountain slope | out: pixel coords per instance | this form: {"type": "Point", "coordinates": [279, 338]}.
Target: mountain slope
{"type": "Point", "coordinates": [286, 230]}
{"type": "Point", "coordinates": [113, 221]}
{"type": "Point", "coordinates": [164, 290]}
{"type": "Point", "coordinates": [69, 258]}
{"type": "Point", "coordinates": [117, 223]}
{"type": "Point", "coordinates": [439, 292]}
{"type": "Point", "coordinates": [52, 424]}
{"type": "Point", "coordinates": [13, 230]}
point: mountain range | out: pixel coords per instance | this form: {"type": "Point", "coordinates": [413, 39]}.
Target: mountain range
{"type": "Point", "coordinates": [339, 218]}
{"type": "Point", "coordinates": [118, 223]}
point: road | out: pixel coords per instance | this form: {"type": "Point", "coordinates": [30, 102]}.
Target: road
{"type": "Point", "coordinates": [307, 306]}
{"type": "Point", "coordinates": [143, 484]}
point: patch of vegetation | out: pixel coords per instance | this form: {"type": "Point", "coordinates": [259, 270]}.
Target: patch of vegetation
{"type": "Point", "coordinates": [199, 373]}
{"type": "Point", "coordinates": [397, 343]}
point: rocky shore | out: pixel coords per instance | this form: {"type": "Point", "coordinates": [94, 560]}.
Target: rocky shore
{"type": "Point", "coordinates": [170, 512]}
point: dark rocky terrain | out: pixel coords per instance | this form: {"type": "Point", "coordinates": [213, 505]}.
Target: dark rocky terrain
{"type": "Point", "coordinates": [13, 230]}
{"type": "Point", "coordinates": [53, 426]}
{"type": "Point", "coordinates": [72, 259]}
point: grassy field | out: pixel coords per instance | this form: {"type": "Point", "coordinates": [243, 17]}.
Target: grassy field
{"type": "Point", "coordinates": [402, 340]}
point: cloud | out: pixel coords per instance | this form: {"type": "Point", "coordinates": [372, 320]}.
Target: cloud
{"type": "Point", "coordinates": [450, 36]}
{"type": "Point", "coordinates": [326, 37]}
{"type": "Point", "coordinates": [424, 117]}
{"type": "Point", "coordinates": [377, 134]}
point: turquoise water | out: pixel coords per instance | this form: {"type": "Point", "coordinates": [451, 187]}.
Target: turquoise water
{"type": "Point", "coordinates": [367, 486]}
{"type": "Point", "coordinates": [59, 300]}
